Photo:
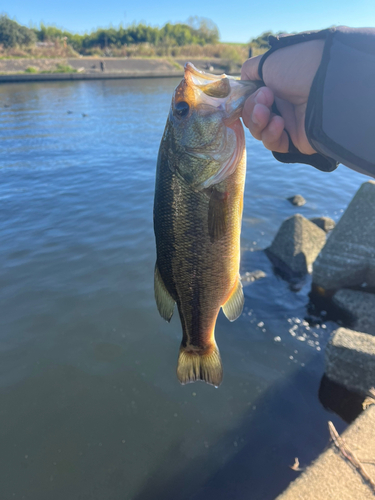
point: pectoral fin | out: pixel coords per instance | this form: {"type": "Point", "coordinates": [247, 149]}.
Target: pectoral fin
{"type": "Point", "coordinates": [217, 215]}
{"type": "Point", "coordinates": [164, 301]}
{"type": "Point", "coordinates": [234, 305]}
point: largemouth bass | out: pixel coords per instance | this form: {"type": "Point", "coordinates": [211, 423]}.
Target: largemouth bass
{"type": "Point", "coordinates": [197, 215]}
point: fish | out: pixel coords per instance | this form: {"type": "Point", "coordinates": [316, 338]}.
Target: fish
{"type": "Point", "coordinates": [198, 203]}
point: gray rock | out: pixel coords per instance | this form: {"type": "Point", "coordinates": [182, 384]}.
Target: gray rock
{"type": "Point", "coordinates": [249, 277]}
{"type": "Point", "coordinates": [361, 306]}
{"type": "Point", "coordinates": [348, 258]}
{"type": "Point", "coordinates": [325, 223]}
{"type": "Point", "coordinates": [297, 200]}
{"type": "Point", "coordinates": [350, 360]}
{"type": "Point", "coordinates": [297, 244]}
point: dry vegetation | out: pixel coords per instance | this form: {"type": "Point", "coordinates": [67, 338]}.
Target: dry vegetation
{"type": "Point", "coordinates": [237, 53]}
{"type": "Point", "coordinates": [54, 51]}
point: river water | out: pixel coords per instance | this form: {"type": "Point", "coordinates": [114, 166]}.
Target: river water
{"type": "Point", "coordinates": [90, 407]}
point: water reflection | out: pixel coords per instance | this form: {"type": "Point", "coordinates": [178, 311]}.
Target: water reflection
{"type": "Point", "coordinates": [89, 402]}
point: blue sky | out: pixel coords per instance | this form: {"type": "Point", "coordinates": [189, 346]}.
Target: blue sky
{"type": "Point", "coordinates": [238, 21]}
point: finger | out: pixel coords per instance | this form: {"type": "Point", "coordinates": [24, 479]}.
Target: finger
{"type": "Point", "coordinates": [256, 111]}
{"type": "Point", "coordinates": [249, 69]}
{"type": "Point", "coordinates": [274, 136]}
{"type": "Point", "coordinates": [294, 118]}
{"type": "Point", "coordinates": [259, 120]}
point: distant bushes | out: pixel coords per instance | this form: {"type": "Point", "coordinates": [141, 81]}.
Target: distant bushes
{"type": "Point", "coordinates": [202, 33]}
{"type": "Point", "coordinates": [12, 33]}
{"type": "Point", "coordinates": [198, 37]}
{"type": "Point", "coordinates": [261, 42]}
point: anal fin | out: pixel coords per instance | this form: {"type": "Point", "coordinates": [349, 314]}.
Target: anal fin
{"type": "Point", "coordinates": [164, 301]}
{"type": "Point", "coordinates": [234, 305]}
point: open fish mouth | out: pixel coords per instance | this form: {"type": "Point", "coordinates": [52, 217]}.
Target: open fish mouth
{"type": "Point", "coordinates": [223, 96]}
{"type": "Point", "coordinates": [200, 77]}
{"type": "Point", "coordinates": [224, 92]}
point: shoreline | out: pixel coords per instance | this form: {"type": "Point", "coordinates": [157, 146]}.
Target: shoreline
{"type": "Point", "coordinates": [50, 77]}
{"type": "Point", "coordinates": [18, 70]}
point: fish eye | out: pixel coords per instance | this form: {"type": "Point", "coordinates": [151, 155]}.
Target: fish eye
{"type": "Point", "coordinates": [181, 109]}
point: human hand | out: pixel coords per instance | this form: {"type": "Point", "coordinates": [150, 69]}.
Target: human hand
{"type": "Point", "coordinates": [288, 74]}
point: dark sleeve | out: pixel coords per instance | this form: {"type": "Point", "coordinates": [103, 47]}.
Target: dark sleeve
{"type": "Point", "coordinates": [340, 115]}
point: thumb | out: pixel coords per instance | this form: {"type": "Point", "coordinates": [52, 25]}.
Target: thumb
{"type": "Point", "coordinates": [249, 69]}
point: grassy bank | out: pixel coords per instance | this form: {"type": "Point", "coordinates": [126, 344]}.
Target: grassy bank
{"type": "Point", "coordinates": [60, 68]}
{"type": "Point", "coordinates": [107, 66]}
{"type": "Point", "coordinates": [238, 53]}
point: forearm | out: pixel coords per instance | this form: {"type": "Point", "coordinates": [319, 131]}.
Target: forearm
{"type": "Point", "coordinates": [340, 115]}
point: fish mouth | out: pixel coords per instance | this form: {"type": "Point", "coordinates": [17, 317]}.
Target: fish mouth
{"type": "Point", "coordinates": [199, 77]}
{"type": "Point", "coordinates": [224, 92]}
{"type": "Point", "coordinates": [224, 95]}
{"type": "Point", "coordinates": [227, 95]}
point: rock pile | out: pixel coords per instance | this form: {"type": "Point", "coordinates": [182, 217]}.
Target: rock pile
{"type": "Point", "coordinates": [350, 360]}
{"type": "Point", "coordinates": [361, 306]}
{"type": "Point", "coordinates": [348, 261]}
{"type": "Point", "coordinates": [348, 258]}
{"type": "Point", "coordinates": [297, 244]}
{"type": "Point", "coordinates": [325, 223]}
{"type": "Point", "coordinates": [343, 262]}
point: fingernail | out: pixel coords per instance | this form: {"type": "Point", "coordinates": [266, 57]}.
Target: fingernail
{"type": "Point", "coordinates": [254, 119]}
{"type": "Point", "coordinates": [260, 98]}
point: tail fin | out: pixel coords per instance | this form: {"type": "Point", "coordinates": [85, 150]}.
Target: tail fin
{"type": "Point", "coordinates": [200, 365]}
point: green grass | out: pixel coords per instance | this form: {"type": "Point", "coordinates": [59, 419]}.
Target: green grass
{"type": "Point", "coordinates": [64, 68]}
{"type": "Point", "coordinates": [61, 68]}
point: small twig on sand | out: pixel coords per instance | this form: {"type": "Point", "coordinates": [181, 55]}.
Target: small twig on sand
{"type": "Point", "coordinates": [349, 455]}
{"type": "Point", "coordinates": [370, 400]}
{"type": "Point", "coordinates": [295, 466]}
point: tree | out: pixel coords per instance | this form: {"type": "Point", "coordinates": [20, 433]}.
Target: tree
{"type": "Point", "coordinates": [198, 30]}
{"type": "Point", "coordinates": [204, 28]}
{"type": "Point", "coordinates": [12, 34]}
{"type": "Point", "coordinates": [261, 41]}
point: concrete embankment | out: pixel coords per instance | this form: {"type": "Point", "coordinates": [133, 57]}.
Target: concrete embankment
{"type": "Point", "coordinates": [332, 476]}
{"type": "Point", "coordinates": [344, 281]}
{"type": "Point", "coordinates": [350, 360]}
{"type": "Point", "coordinates": [89, 68]}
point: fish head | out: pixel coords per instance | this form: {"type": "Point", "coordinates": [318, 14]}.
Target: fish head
{"type": "Point", "coordinates": [204, 133]}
